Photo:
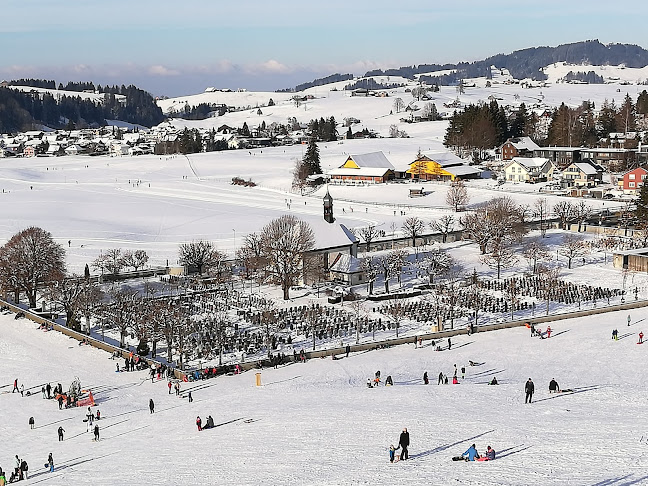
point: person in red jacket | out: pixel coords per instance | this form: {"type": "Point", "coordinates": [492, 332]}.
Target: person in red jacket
{"type": "Point", "coordinates": [199, 423]}
{"type": "Point", "coordinates": [640, 337]}
{"type": "Point", "coordinates": [549, 331]}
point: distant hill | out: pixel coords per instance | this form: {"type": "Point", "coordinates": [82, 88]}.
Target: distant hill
{"type": "Point", "coordinates": [524, 63]}
{"type": "Point", "coordinates": [22, 108]}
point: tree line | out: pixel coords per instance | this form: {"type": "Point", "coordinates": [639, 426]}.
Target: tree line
{"type": "Point", "coordinates": [20, 111]}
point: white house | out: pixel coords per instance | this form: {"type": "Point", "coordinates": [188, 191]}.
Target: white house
{"type": "Point", "coordinates": [529, 169]}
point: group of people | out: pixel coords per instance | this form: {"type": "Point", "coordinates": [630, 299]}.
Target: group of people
{"type": "Point", "coordinates": [376, 381]}
{"type": "Point", "coordinates": [472, 455]}
{"type": "Point", "coordinates": [209, 424]}
{"type": "Point", "coordinates": [403, 444]}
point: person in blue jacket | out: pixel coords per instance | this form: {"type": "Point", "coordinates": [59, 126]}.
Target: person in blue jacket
{"type": "Point", "coordinates": [471, 453]}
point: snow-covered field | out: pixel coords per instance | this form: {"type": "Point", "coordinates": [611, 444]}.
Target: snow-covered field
{"type": "Point", "coordinates": [317, 423]}
{"type": "Point", "coordinates": [154, 203]}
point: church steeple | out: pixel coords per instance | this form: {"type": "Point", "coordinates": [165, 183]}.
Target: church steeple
{"type": "Point", "coordinates": [328, 207]}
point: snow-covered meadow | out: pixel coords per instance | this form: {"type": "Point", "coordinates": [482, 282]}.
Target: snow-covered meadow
{"type": "Point", "coordinates": [318, 423]}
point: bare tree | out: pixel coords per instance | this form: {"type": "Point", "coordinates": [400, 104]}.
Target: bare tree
{"type": "Point", "coordinates": [135, 259]}
{"type": "Point", "coordinates": [457, 196]}
{"type": "Point", "coordinates": [368, 234]}
{"type": "Point", "coordinates": [399, 104]}
{"type": "Point", "coordinates": [77, 296]}
{"type": "Point", "coordinates": [201, 255]}
{"type": "Point", "coordinates": [413, 227]}
{"type": "Point", "coordinates": [444, 225]}
{"type": "Point", "coordinates": [573, 246]}
{"type": "Point", "coordinates": [541, 211]}
{"type": "Point", "coordinates": [371, 269]}
{"type": "Point", "coordinates": [121, 311]}
{"type": "Point", "coordinates": [391, 265]}
{"type": "Point", "coordinates": [250, 255]}
{"type": "Point", "coordinates": [419, 92]}
{"type": "Point", "coordinates": [284, 242]}
{"type": "Point", "coordinates": [497, 221]}
{"type": "Point", "coordinates": [535, 251]}
{"type": "Point", "coordinates": [582, 211]}
{"type": "Point", "coordinates": [29, 261]}
{"type": "Point", "coordinates": [551, 281]}
{"type": "Point", "coordinates": [565, 212]}
{"type": "Point", "coordinates": [501, 256]}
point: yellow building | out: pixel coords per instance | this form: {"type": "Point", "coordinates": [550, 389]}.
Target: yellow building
{"type": "Point", "coordinates": [444, 166]}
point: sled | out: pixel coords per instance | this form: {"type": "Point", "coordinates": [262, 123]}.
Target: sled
{"type": "Point", "coordinates": [640, 342]}
{"type": "Point", "coordinates": [458, 458]}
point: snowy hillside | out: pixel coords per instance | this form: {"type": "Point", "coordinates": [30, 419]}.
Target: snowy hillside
{"type": "Point", "coordinates": [611, 74]}
{"type": "Point", "coordinates": [317, 423]}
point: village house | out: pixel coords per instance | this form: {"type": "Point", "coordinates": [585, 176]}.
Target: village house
{"type": "Point", "coordinates": [612, 159]}
{"type": "Point", "coordinates": [517, 147]}
{"type": "Point", "coordinates": [582, 174]}
{"type": "Point", "coordinates": [366, 168]}
{"type": "Point", "coordinates": [632, 180]}
{"type": "Point", "coordinates": [442, 166]}
{"type": "Point", "coordinates": [531, 169]}
{"type": "Point", "coordinates": [347, 269]}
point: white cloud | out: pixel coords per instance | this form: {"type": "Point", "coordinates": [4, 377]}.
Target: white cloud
{"type": "Point", "coordinates": [159, 70]}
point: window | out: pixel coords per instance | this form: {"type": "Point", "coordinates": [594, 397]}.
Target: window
{"type": "Point", "coordinates": [632, 184]}
{"type": "Point", "coordinates": [631, 177]}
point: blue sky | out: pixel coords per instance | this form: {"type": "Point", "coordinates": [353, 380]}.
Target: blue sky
{"type": "Point", "coordinates": [181, 47]}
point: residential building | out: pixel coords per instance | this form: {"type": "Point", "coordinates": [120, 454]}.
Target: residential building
{"type": "Point", "coordinates": [560, 156]}
{"type": "Point", "coordinates": [531, 169]}
{"type": "Point", "coordinates": [518, 147]}
{"type": "Point", "coordinates": [442, 166]}
{"type": "Point", "coordinates": [581, 174]}
{"type": "Point", "coordinates": [633, 180]}
{"type": "Point", "coordinates": [366, 168]}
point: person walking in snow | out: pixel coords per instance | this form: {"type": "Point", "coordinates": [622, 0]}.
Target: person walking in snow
{"type": "Point", "coordinates": [15, 388]}
{"type": "Point", "coordinates": [529, 388]}
{"type": "Point", "coordinates": [48, 389]}
{"type": "Point", "coordinates": [50, 462]}
{"type": "Point", "coordinates": [403, 443]}
{"type": "Point", "coordinates": [169, 385]}
{"type": "Point", "coordinates": [641, 338]}
{"type": "Point", "coordinates": [199, 423]}
{"type": "Point", "coordinates": [548, 331]}
{"type": "Point", "coordinates": [449, 344]}
{"type": "Point", "coordinates": [96, 432]}
{"type": "Point", "coordinates": [60, 433]}
{"type": "Point", "coordinates": [463, 372]}
{"type": "Point", "coordinates": [151, 406]}
{"type": "Point", "coordinates": [440, 379]}
{"type": "Point", "coordinates": [425, 378]}
{"type": "Point", "coordinates": [628, 320]}
{"type": "Point", "coordinates": [615, 334]}
{"type": "Point", "coordinates": [31, 422]}
{"type": "Point", "coordinates": [190, 397]}
{"type": "Point", "coordinates": [22, 390]}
